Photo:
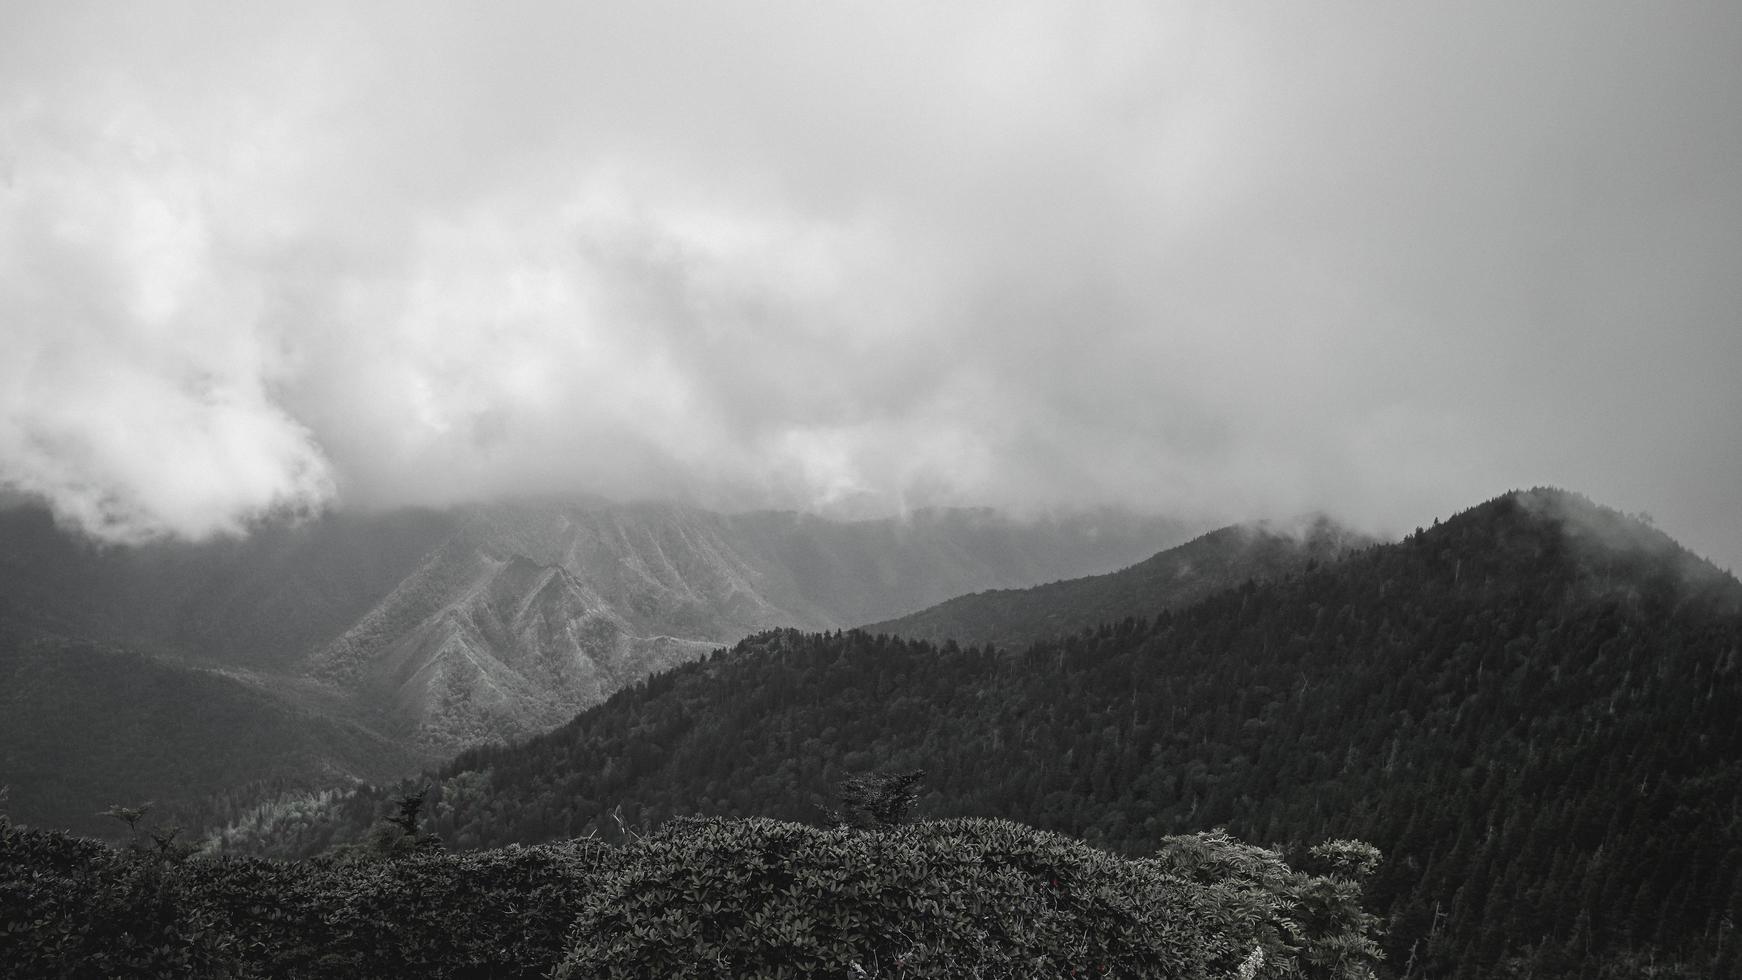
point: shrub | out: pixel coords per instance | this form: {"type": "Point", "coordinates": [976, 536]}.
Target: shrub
{"type": "Point", "coordinates": [873, 801]}
{"type": "Point", "coordinates": [955, 898]}
{"type": "Point", "coordinates": [74, 907]}
{"type": "Point", "coordinates": [1307, 925]}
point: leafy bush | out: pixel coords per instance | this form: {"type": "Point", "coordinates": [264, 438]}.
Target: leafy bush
{"type": "Point", "coordinates": [1310, 924]}
{"type": "Point", "coordinates": [74, 907]}
{"type": "Point", "coordinates": [871, 801]}
{"type": "Point", "coordinates": [698, 897]}
{"type": "Point", "coordinates": [956, 898]}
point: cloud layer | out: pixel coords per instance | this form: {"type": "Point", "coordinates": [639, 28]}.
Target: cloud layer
{"type": "Point", "coordinates": [1225, 259]}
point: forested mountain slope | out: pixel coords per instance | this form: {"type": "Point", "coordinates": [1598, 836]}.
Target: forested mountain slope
{"type": "Point", "coordinates": [1173, 578]}
{"type": "Point", "coordinates": [1534, 709]}
{"type": "Point", "coordinates": [401, 638]}
{"type": "Point", "coordinates": [531, 612]}
{"type": "Point", "coordinates": [83, 727]}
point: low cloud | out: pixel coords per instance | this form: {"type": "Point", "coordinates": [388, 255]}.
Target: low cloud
{"type": "Point", "coordinates": [1224, 260]}
{"type": "Point", "coordinates": [137, 382]}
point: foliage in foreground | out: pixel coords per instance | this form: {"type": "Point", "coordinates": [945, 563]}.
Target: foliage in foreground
{"type": "Point", "coordinates": [965, 898]}
{"type": "Point", "coordinates": [74, 907]}
{"type": "Point", "coordinates": [958, 898]}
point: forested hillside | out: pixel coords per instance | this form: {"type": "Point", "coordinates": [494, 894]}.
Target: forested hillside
{"type": "Point", "coordinates": [83, 727]}
{"type": "Point", "coordinates": [1168, 580]}
{"type": "Point", "coordinates": [1532, 709]}
{"type": "Point", "coordinates": [373, 645]}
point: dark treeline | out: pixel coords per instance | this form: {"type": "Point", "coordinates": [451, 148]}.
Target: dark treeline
{"type": "Point", "coordinates": [1534, 715]}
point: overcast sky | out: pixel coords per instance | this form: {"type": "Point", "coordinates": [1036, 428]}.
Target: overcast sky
{"type": "Point", "coordinates": [1225, 259]}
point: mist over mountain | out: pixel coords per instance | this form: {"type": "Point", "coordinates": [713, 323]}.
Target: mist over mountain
{"type": "Point", "coordinates": [400, 639]}
{"type": "Point", "coordinates": [530, 612]}
{"type": "Point", "coordinates": [1219, 261]}
{"type": "Point", "coordinates": [263, 600]}
{"type": "Point", "coordinates": [1015, 618]}
{"type": "Point", "coordinates": [401, 387]}
{"type": "Point", "coordinates": [1531, 708]}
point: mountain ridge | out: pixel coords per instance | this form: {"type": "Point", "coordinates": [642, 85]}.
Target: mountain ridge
{"type": "Point", "coordinates": [1532, 706]}
{"type": "Point", "coordinates": [433, 631]}
{"type": "Point", "coordinates": [1175, 577]}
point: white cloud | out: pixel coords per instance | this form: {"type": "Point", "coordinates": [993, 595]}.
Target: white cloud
{"type": "Point", "coordinates": [136, 383]}
{"type": "Point", "coordinates": [1225, 258]}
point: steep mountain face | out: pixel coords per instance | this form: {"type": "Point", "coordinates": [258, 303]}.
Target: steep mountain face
{"type": "Point", "coordinates": [428, 632]}
{"type": "Point", "coordinates": [474, 647]}
{"type": "Point", "coordinates": [529, 613]}
{"type": "Point", "coordinates": [1532, 708]}
{"type": "Point", "coordinates": [1014, 618]}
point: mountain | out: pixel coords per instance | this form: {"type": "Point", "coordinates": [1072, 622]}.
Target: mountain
{"type": "Point", "coordinates": [83, 727]}
{"type": "Point", "coordinates": [528, 613]}
{"type": "Point", "coordinates": [402, 638]}
{"type": "Point", "coordinates": [481, 644]}
{"type": "Point", "coordinates": [262, 601]}
{"type": "Point", "coordinates": [1171, 579]}
{"type": "Point", "coordinates": [1534, 709]}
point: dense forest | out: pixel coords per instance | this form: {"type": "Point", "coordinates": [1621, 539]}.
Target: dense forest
{"type": "Point", "coordinates": [939, 900]}
{"type": "Point", "coordinates": [1533, 709]}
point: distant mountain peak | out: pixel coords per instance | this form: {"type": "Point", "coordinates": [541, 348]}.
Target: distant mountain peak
{"type": "Point", "coordinates": [1608, 552]}
{"type": "Point", "coordinates": [1170, 579]}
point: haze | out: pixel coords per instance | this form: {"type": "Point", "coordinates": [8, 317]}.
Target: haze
{"type": "Point", "coordinates": [1212, 259]}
